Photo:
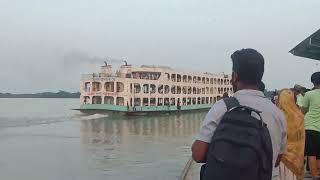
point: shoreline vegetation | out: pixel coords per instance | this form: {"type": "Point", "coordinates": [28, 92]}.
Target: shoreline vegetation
{"type": "Point", "coordinates": [60, 94]}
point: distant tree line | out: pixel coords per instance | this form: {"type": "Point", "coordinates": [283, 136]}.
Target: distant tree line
{"type": "Point", "coordinates": [60, 94]}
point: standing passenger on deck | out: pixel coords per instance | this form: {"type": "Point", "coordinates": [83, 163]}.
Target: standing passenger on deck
{"type": "Point", "coordinates": [247, 72]}
{"type": "Point", "coordinates": [299, 93]}
{"type": "Point", "coordinates": [311, 109]}
{"type": "Point", "coordinates": [293, 158]}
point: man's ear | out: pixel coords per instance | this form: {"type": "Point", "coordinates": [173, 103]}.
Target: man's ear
{"type": "Point", "coordinates": [235, 77]}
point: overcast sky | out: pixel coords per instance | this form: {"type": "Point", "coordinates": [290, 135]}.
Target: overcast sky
{"type": "Point", "coordinates": [45, 45]}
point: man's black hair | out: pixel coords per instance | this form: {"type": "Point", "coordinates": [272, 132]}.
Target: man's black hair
{"type": "Point", "coordinates": [249, 65]}
{"type": "Point", "coordinates": [315, 78]}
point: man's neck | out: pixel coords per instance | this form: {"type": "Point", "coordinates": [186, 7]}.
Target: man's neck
{"type": "Point", "coordinates": [248, 87]}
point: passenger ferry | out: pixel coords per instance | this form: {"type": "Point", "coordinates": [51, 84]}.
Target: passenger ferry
{"type": "Point", "coordinates": [135, 90]}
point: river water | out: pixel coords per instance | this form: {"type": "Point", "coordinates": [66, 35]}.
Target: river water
{"type": "Point", "coordinates": [43, 139]}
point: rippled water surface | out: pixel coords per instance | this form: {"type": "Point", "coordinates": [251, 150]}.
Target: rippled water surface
{"type": "Point", "coordinates": [42, 139]}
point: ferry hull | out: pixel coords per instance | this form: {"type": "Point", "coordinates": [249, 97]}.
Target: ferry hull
{"type": "Point", "coordinates": [123, 110]}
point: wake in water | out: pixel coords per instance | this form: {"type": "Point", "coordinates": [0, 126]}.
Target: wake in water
{"type": "Point", "coordinates": [89, 117]}
{"type": "Point", "coordinates": [25, 121]}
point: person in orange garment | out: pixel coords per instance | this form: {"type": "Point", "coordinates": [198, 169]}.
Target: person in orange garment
{"type": "Point", "coordinates": [293, 157]}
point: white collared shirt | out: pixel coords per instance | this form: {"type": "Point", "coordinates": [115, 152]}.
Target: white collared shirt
{"type": "Point", "coordinates": [271, 115]}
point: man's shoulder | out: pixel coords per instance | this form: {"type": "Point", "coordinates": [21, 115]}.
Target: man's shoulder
{"type": "Point", "coordinates": [308, 93]}
{"type": "Point", "coordinates": [273, 108]}
{"type": "Point", "coordinates": [219, 106]}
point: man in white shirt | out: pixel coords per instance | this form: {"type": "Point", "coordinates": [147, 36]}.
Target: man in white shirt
{"type": "Point", "coordinates": [248, 69]}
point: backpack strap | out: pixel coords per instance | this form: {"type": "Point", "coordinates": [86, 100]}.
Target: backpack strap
{"type": "Point", "coordinates": [231, 102]}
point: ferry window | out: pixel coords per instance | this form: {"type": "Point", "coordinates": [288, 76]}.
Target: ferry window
{"type": "Point", "coordinates": [137, 102]}
{"type": "Point", "coordinates": [173, 101]}
{"type": "Point", "coordinates": [207, 80]}
{"type": "Point", "coordinates": [120, 101]}
{"type": "Point", "coordinates": [166, 102]}
{"type": "Point", "coordinates": [86, 100]}
{"type": "Point", "coordinates": [109, 86]}
{"type": "Point", "coordinates": [215, 81]}
{"type": "Point", "coordinates": [189, 90]}
{"type": "Point", "coordinates": [145, 101]}
{"type": "Point", "coordinates": [130, 101]}
{"type": "Point", "coordinates": [96, 100]}
{"type": "Point", "coordinates": [211, 80]}
{"type": "Point", "coordinates": [160, 89]}
{"type": "Point", "coordinates": [184, 90]}
{"type": "Point", "coordinates": [207, 100]}
{"type": "Point", "coordinates": [225, 90]}
{"type": "Point", "coordinates": [137, 88]}
{"type": "Point", "coordinates": [178, 90]}
{"type": "Point", "coordinates": [146, 75]}
{"type": "Point", "coordinates": [203, 100]}
{"type": "Point", "coordinates": [211, 90]}
{"type": "Point", "coordinates": [210, 100]}
{"type": "Point", "coordinates": [199, 100]}
{"type": "Point", "coordinates": [203, 90]}
{"type": "Point", "coordinates": [136, 75]}
{"type": "Point", "coordinates": [130, 87]}
{"type": "Point", "coordinates": [152, 101]}
{"type": "Point", "coordinates": [146, 88]}
{"type": "Point", "coordinates": [184, 78]}
{"type": "Point", "coordinates": [152, 88]}
{"type": "Point", "coordinates": [168, 76]}
{"type": "Point", "coordinates": [189, 101]}
{"type": "Point", "coordinates": [173, 89]}
{"type": "Point", "coordinates": [199, 80]}
{"type": "Point", "coordinates": [215, 90]}
{"type": "Point", "coordinates": [108, 100]}
{"type": "Point", "coordinates": [87, 86]}
{"type": "Point", "coordinates": [166, 89]}
{"type": "Point", "coordinates": [203, 80]}
{"type": "Point", "coordinates": [173, 77]}
{"type": "Point", "coordinates": [214, 99]}
{"type": "Point", "coordinates": [207, 90]}
{"type": "Point", "coordinates": [194, 100]}
{"type": "Point", "coordinates": [194, 79]}
{"type": "Point", "coordinates": [194, 90]}
{"type": "Point", "coordinates": [184, 101]}
{"type": "Point", "coordinates": [178, 78]}
{"type": "Point", "coordinates": [199, 91]}
{"type": "Point", "coordinates": [120, 87]}
{"type": "Point", "coordinates": [225, 82]}
{"type": "Point", "coordinates": [218, 81]}
{"type": "Point", "coordinates": [189, 79]}
{"type": "Point", "coordinates": [96, 86]}
{"type": "Point", "coordinates": [160, 101]}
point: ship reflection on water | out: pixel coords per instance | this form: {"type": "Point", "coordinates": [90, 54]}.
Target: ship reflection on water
{"type": "Point", "coordinates": [159, 144]}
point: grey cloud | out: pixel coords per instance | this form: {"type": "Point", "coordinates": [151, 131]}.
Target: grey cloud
{"type": "Point", "coordinates": [76, 58]}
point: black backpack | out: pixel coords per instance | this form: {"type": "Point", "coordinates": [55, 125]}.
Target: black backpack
{"type": "Point", "coordinates": [241, 147]}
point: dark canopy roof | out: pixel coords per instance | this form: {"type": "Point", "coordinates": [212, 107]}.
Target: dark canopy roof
{"type": "Point", "coordinates": [309, 48]}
